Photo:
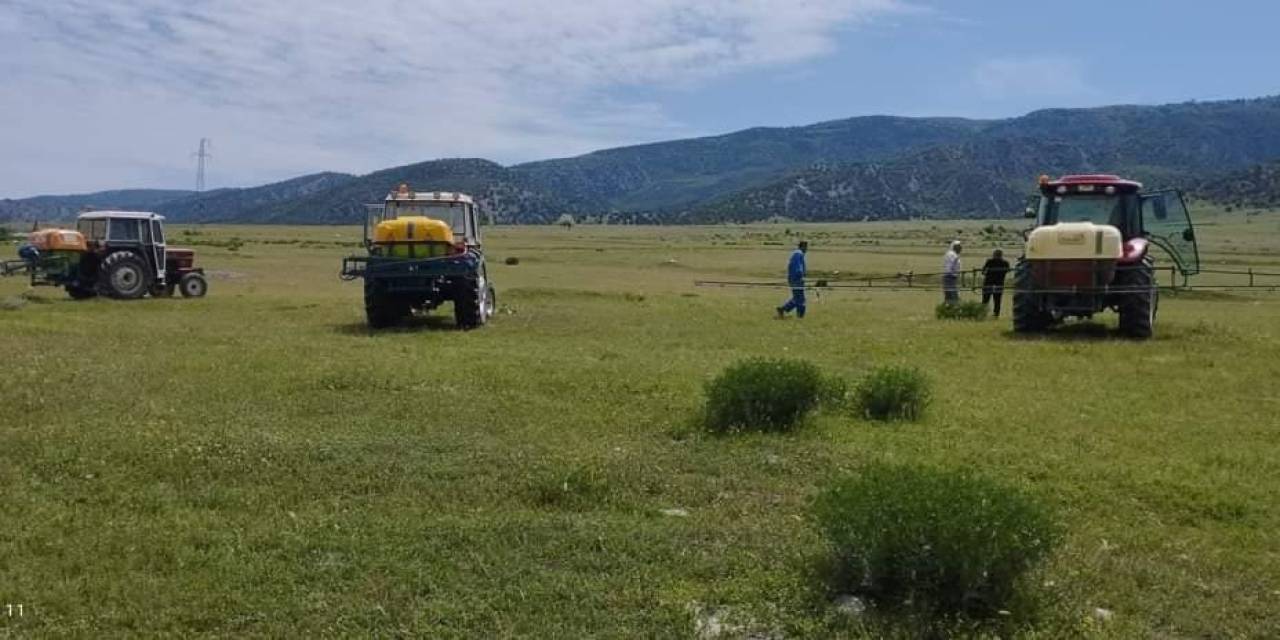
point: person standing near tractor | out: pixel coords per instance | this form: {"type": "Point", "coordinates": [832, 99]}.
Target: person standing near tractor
{"type": "Point", "coordinates": [951, 274]}
{"type": "Point", "coordinates": [993, 274]}
{"type": "Point", "coordinates": [795, 279]}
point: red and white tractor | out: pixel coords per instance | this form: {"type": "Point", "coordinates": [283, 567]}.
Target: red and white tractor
{"type": "Point", "coordinates": [1091, 250]}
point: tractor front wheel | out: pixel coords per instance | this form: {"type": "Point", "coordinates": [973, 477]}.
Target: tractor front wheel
{"type": "Point", "coordinates": [1140, 300]}
{"type": "Point", "coordinates": [124, 275]}
{"type": "Point", "coordinates": [1028, 317]}
{"type": "Point", "coordinates": [192, 285]}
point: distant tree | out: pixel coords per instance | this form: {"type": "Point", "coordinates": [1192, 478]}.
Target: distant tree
{"type": "Point", "coordinates": [565, 220]}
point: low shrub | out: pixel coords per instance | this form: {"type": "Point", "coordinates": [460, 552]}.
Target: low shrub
{"type": "Point", "coordinates": [967, 310]}
{"type": "Point", "coordinates": [893, 393]}
{"type": "Point", "coordinates": [934, 540]}
{"type": "Point", "coordinates": [762, 394]}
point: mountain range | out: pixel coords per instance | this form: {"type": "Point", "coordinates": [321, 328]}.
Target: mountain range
{"type": "Point", "coordinates": [875, 167]}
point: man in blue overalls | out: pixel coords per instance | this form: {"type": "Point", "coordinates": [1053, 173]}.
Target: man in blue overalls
{"type": "Point", "coordinates": [795, 278]}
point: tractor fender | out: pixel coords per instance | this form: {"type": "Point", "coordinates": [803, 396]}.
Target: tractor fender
{"type": "Point", "coordinates": [1134, 251]}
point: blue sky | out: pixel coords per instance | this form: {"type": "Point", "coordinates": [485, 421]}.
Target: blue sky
{"type": "Point", "coordinates": [116, 94]}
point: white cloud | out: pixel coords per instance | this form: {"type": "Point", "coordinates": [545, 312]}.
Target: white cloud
{"type": "Point", "coordinates": [1034, 76]}
{"type": "Point", "coordinates": [102, 94]}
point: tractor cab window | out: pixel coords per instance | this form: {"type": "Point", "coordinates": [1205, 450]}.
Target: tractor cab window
{"type": "Point", "coordinates": [1115, 211]}
{"type": "Point", "coordinates": [93, 230]}
{"type": "Point", "coordinates": [123, 230]}
{"type": "Point", "coordinates": [453, 213]}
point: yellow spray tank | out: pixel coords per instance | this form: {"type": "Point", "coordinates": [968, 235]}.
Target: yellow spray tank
{"type": "Point", "coordinates": [413, 237]}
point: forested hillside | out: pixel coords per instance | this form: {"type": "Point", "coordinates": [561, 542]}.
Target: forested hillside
{"type": "Point", "coordinates": [875, 167]}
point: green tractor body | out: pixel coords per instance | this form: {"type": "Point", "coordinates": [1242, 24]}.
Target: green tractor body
{"type": "Point", "coordinates": [423, 250]}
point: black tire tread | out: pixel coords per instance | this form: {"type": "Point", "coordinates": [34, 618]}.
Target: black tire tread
{"type": "Point", "coordinates": [1028, 317]}
{"type": "Point", "coordinates": [467, 311]}
{"type": "Point", "coordinates": [381, 310]}
{"type": "Point", "coordinates": [1138, 307]}
{"type": "Point", "coordinates": [114, 261]}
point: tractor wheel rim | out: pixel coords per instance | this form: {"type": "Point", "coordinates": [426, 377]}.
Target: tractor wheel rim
{"type": "Point", "coordinates": [126, 278]}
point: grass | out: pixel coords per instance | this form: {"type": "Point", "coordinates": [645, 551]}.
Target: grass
{"type": "Point", "coordinates": [256, 463]}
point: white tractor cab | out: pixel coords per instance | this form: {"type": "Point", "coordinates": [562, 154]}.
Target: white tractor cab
{"type": "Point", "coordinates": [128, 257]}
{"type": "Point", "coordinates": [1090, 251]}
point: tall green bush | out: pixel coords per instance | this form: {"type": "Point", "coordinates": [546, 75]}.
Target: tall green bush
{"type": "Point", "coordinates": [942, 541]}
{"type": "Point", "coordinates": [893, 393]}
{"type": "Point", "coordinates": [762, 394]}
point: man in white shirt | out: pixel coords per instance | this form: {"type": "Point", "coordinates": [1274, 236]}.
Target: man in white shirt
{"type": "Point", "coordinates": [951, 274]}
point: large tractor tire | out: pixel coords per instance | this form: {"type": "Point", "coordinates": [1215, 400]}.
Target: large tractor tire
{"type": "Point", "coordinates": [1028, 317]}
{"type": "Point", "coordinates": [382, 310]}
{"type": "Point", "coordinates": [473, 304]}
{"type": "Point", "coordinates": [1142, 298]}
{"type": "Point", "coordinates": [192, 285]}
{"type": "Point", "coordinates": [124, 275]}
{"type": "Point", "coordinates": [80, 293]}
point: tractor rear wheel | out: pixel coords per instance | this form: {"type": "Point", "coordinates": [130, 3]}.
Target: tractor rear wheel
{"type": "Point", "coordinates": [1028, 317]}
{"type": "Point", "coordinates": [124, 275]}
{"type": "Point", "coordinates": [382, 310]}
{"type": "Point", "coordinates": [469, 304]}
{"type": "Point", "coordinates": [192, 285]}
{"type": "Point", "coordinates": [1139, 302]}
{"type": "Point", "coordinates": [490, 306]}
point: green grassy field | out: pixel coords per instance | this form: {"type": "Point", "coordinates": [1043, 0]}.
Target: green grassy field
{"type": "Point", "coordinates": [257, 463]}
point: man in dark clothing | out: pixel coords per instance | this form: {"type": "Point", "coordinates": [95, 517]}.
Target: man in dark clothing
{"type": "Point", "coordinates": [795, 279]}
{"type": "Point", "coordinates": [994, 272]}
